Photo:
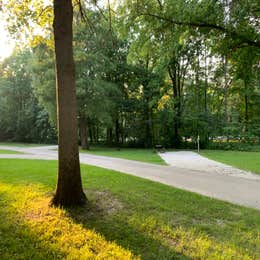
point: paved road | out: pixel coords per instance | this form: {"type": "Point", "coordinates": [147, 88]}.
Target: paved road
{"type": "Point", "coordinates": [236, 188]}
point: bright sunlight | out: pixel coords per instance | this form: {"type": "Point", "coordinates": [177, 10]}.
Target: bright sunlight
{"type": "Point", "coordinates": [6, 44]}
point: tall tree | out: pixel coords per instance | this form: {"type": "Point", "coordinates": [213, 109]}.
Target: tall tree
{"type": "Point", "coordinates": [19, 107]}
{"type": "Point", "coordinates": [69, 189]}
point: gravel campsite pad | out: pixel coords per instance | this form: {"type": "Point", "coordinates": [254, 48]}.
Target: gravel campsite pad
{"type": "Point", "coordinates": [194, 161]}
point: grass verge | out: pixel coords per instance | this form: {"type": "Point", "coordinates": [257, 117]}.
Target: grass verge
{"type": "Point", "coordinates": [142, 155]}
{"type": "Point", "coordinates": [9, 152]}
{"type": "Point", "coordinates": [23, 144]}
{"type": "Point", "coordinates": [249, 161]}
{"type": "Point", "coordinates": [147, 220]}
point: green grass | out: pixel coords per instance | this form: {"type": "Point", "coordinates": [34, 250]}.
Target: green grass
{"type": "Point", "coordinates": [127, 217]}
{"type": "Point", "coordinates": [249, 161]}
{"type": "Point", "coordinates": [9, 152]}
{"type": "Point", "coordinates": [22, 144]}
{"type": "Point", "coordinates": [142, 155]}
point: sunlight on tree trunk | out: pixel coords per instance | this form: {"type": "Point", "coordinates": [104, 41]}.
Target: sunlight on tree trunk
{"type": "Point", "coordinates": [69, 187]}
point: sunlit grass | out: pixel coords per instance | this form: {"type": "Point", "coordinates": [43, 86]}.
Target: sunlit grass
{"type": "Point", "coordinates": [2, 151]}
{"type": "Point", "coordinates": [42, 232]}
{"type": "Point", "coordinates": [142, 155]}
{"type": "Point", "coordinates": [146, 219]}
{"type": "Point", "coordinates": [249, 161]}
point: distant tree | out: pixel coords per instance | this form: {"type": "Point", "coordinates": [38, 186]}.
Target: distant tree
{"type": "Point", "coordinates": [95, 93]}
{"type": "Point", "coordinates": [19, 107]}
{"type": "Point", "coordinates": [43, 79]}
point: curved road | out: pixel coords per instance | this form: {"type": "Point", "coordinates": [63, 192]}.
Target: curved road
{"type": "Point", "coordinates": [237, 186]}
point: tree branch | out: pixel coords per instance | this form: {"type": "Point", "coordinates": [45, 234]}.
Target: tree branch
{"type": "Point", "coordinates": [220, 28]}
{"type": "Point", "coordinates": [160, 4]}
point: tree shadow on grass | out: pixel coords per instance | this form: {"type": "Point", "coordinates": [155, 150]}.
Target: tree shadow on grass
{"type": "Point", "coordinates": [115, 223]}
{"type": "Point", "coordinates": [33, 230]}
{"type": "Point", "coordinates": [25, 243]}
{"type": "Point", "coordinates": [145, 235]}
{"type": "Point", "coordinates": [103, 214]}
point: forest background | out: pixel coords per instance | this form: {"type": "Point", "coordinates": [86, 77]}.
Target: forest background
{"type": "Point", "coordinates": [147, 73]}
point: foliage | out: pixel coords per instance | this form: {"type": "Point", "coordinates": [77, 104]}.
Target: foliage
{"type": "Point", "coordinates": [203, 56]}
{"type": "Point", "coordinates": [153, 72]}
{"type": "Point", "coordinates": [29, 21]}
{"type": "Point", "coordinates": [43, 79]}
{"type": "Point", "coordinates": [233, 145]}
{"type": "Point", "coordinates": [18, 105]}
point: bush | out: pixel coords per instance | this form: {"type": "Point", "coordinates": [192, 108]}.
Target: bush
{"type": "Point", "coordinates": [238, 146]}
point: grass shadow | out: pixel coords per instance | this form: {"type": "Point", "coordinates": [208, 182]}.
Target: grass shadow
{"type": "Point", "coordinates": [102, 214]}
{"type": "Point", "coordinates": [31, 229]}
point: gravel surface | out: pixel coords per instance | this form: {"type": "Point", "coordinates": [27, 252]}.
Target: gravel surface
{"type": "Point", "coordinates": [194, 161]}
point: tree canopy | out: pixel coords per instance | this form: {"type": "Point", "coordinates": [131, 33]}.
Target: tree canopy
{"type": "Point", "coordinates": [147, 72]}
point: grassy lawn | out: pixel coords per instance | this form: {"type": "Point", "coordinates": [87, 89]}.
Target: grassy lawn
{"type": "Point", "coordinates": [23, 144]}
{"type": "Point", "coordinates": [147, 219]}
{"type": "Point", "coordinates": [142, 155]}
{"type": "Point", "coordinates": [244, 160]}
{"type": "Point", "coordinates": [9, 152]}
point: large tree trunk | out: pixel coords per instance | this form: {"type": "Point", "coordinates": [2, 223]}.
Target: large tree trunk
{"type": "Point", "coordinates": [69, 186]}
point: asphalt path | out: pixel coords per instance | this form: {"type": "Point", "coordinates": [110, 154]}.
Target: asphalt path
{"type": "Point", "coordinates": [235, 186]}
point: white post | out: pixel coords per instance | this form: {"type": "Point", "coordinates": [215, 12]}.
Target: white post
{"type": "Point", "coordinates": [198, 142]}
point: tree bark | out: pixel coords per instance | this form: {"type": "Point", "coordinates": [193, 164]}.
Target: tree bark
{"type": "Point", "coordinates": [148, 126]}
{"type": "Point", "coordinates": [117, 132]}
{"type": "Point", "coordinates": [109, 136]}
{"type": "Point", "coordinates": [84, 134]}
{"type": "Point", "coordinates": [172, 70]}
{"type": "Point", "coordinates": [69, 189]}
{"type": "Point", "coordinates": [206, 81]}
{"type": "Point", "coordinates": [226, 89]}
{"type": "Point", "coordinates": [91, 135]}
{"type": "Point", "coordinates": [246, 107]}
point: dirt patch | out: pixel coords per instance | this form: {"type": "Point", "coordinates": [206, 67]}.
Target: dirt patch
{"type": "Point", "coordinates": [104, 202]}
{"type": "Point", "coordinates": [99, 205]}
